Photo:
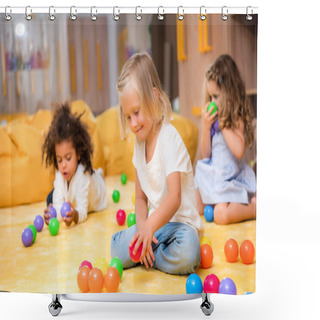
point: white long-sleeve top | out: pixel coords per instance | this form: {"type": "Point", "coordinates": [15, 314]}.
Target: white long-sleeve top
{"type": "Point", "coordinates": [86, 192]}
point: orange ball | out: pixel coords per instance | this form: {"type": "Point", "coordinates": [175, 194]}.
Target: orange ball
{"type": "Point", "coordinates": [247, 252]}
{"type": "Point", "coordinates": [82, 279]}
{"type": "Point", "coordinates": [112, 279]}
{"type": "Point", "coordinates": [231, 250]}
{"type": "Point", "coordinates": [206, 256]}
{"type": "Point", "coordinates": [95, 280]}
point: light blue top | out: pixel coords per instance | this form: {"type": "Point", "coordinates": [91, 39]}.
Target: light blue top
{"type": "Point", "coordinates": [223, 177]}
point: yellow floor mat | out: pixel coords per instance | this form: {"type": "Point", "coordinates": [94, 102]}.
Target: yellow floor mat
{"type": "Point", "coordinates": [51, 264]}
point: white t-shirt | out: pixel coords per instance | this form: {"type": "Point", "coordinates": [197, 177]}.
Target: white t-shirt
{"type": "Point", "coordinates": [170, 155]}
{"type": "Point", "coordinates": [86, 192]}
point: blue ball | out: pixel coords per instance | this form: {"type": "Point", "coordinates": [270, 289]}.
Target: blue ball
{"type": "Point", "coordinates": [64, 209]}
{"type": "Point", "coordinates": [52, 212]}
{"type": "Point", "coordinates": [208, 213]}
{"type": "Point", "coordinates": [194, 284]}
{"type": "Point", "coordinates": [27, 237]}
{"type": "Point", "coordinates": [38, 223]}
{"type": "Point", "coordinates": [227, 286]}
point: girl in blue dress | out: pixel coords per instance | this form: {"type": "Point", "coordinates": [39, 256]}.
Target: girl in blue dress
{"type": "Point", "coordinates": [222, 177]}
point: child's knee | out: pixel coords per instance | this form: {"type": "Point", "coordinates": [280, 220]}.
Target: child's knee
{"type": "Point", "coordinates": [220, 214]}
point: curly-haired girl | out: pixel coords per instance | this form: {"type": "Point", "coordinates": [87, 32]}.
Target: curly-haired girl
{"type": "Point", "coordinates": [68, 147]}
{"type": "Point", "coordinates": [222, 178]}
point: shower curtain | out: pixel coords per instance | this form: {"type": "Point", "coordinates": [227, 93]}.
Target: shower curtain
{"type": "Point", "coordinates": [44, 63]}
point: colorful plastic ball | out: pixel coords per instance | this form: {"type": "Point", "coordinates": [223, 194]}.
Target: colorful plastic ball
{"type": "Point", "coordinates": [27, 237]}
{"type": "Point", "coordinates": [194, 284]}
{"type": "Point", "coordinates": [116, 195]}
{"type": "Point", "coordinates": [83, 278]}
{"type": "Point", "coordinates": [34, 232]}
{"type": "Point", "coordinates": [135, 257]}
{"type": "Point", "coordinates": [208, 213]}
{"type": "Point", "coordinates": [95, 280]}
{"type": "Point", "coordinates": [231, 250]}
{"type": "Point", "coordinates": [248, 292]}
{"type": "Point", "coordinates": [123, 178]}
{"type": "Point", "coordinates": [205, 240]}
{"type": "Point", "coordinates": [216, 126]}
{"type": "Point", "coordinates": [38, 222]}
{"type": "Point", "coordinates": [101, 263]}
{"type": "Point", "coordinates": [212, 104]}
{"type": "Point", "coordinates": [131, 220]}
{"type": "Point", "coordinates": [54, 226]}
{"type": "Point", "coordinates": [211, 284]}
{"type": "Point", "coordinates": [227, 286]}
{"type": "Point", "coordinates": [133, 198]}
{"type": "Point", "coordinates": [86, 263]}
{"type": "Point", "coordinates": [247, 252]}
{"type": "Point", "coordinates": [206, 256]}
{"type": "Point", "coordinates": [121, 217]}
{"type": "Point", "coordinates": [112, 279]}
{"type": "Point", "coordinates": [52, 212]}
{"type": "Point", "coordinates": [64, 209]}
{"type": "Point", "coordinates": [117, 263]}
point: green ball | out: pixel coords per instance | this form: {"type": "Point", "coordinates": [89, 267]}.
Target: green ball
{"type": "Point", "coordinates": [116, 195]}
{"type": "Point", "coordinates": [54, 226]}
{"type": "Point", "coordinates": [131, 220]}
{"type": "Point", "coordinates": [116, 262]}
{"type": "Point", "coordinates": [34, 232]}
{"type": "Point", "coordinates": [123, 178]}
{"type": "Point", "coordinates": [215, 108]}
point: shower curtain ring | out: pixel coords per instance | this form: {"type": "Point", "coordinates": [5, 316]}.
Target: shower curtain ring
{"type": "Point", "coordinates": [6, 14]}
{"type": "Point", "coordinates": [116, 15]}
{"type": "Point", "coordinates": [203, 13]}
{"type": "Point", "coordinates": [138, 16]}
{"type": "Point", "coordinates": [160, 15]}
{"type": "Point", "coordinates": [249, 16]}
{"type": "Point", "coordinates": [180, 13]}
{"type": "Point", "coordinates": [51, 16]}
{"type": "Point", "coordinates": [224, 13]}
{"type": "Point", "coordinates": [28, 12]}
{"type": "Point", "coordinates": [93, 16]}
{"type": "Point", "coordinates": [73, 16]}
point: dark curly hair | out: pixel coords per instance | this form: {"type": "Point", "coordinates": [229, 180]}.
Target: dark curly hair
{"type": "Point", "coordinates": [67, 126]}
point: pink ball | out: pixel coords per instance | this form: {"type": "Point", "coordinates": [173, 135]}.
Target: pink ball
{"type": "Point", "coordinates": [211, 284]}
{"type": "Point", "coordinates": [121, 217]}
{"type": "Point", "coordinates": [86, 263]}
{"type": "Point", "coordinates": [135, 257]}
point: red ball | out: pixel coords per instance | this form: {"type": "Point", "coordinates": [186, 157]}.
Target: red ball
{"type": "Point", "coordinates": [135, 257]}
{"type": "Point", "coordinates": [86, 263]}
{"type": "Point", "coordinates": [112, 279]}
{"type": "Point", "coordinates": [206, 256]}
{"type": "Point", "coordinates": [211, 284]}
{"type": "Point", "coordinates": [247, 252]}
{"type": "Point", "coordinates": [231, 250]}
{"type": "Point", "coordinates": [121, 217]}
{"type": "Point", "coordinates": [82, 279]}
{"type": "Point", "coordinates": [96, 280]}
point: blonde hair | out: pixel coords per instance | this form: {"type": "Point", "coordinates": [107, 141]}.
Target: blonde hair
{"type": "Point", "coordinates": [224, 72]}
{"type": "Point", "coordinates": [140, 72]}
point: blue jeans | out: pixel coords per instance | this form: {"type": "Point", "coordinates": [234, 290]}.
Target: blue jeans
{"type": "Point", "coordinates": [177, 252]}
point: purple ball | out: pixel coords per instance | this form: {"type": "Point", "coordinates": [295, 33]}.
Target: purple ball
{"type": "Point", "coordinates": [227, 286]}
{"type": "Point", "coordinates": [52, 212]}
{"type": "Point", "coordinates": [27, 237]}
{"type": "Point", "coordinates": [216, 126]}
{"type": "Point", "coordinates": [64, 209]}
{"type": "Point", "coordinates": [38, 223]}
{"type": "Point", "coordinates": [212, 131]}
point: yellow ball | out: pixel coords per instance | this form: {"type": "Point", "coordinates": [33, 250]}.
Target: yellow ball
{"type": "Point", "coordinates": [205, 240]}
{"type": "Point", "coordinates": [133, 197]}
{"type": "Point", "coordinates": [102, 264]}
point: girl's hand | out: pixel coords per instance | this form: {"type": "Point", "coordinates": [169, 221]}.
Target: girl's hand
{"type": "Point", "coordinates": [47, 215]}
{"type": "Point", "coordinates": [71, 216]}
{"type": "Point", "coordinates": [208, 118]}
